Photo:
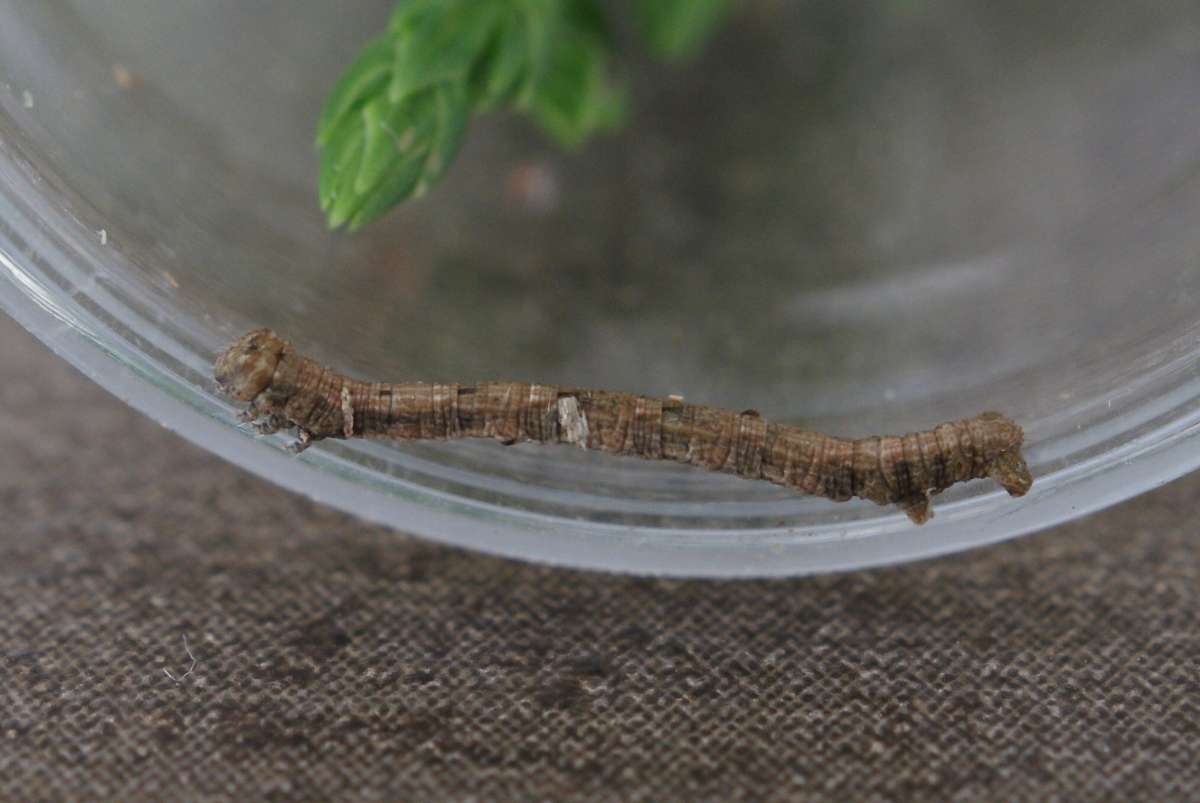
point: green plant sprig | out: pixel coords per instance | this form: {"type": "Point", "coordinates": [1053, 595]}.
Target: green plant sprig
{"type": "Point", "coordinates": [395, 120]}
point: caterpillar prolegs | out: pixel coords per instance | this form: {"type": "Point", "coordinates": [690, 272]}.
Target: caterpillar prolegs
{"type": "Point", "coordinates": [287, 389]}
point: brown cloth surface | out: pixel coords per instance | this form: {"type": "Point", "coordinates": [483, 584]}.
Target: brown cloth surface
{"type": "Point", "coordinates": [335, 660]}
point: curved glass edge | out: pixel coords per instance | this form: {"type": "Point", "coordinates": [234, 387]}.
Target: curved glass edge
{"type": "Point", "coordinates": [89, 336]}
{"type": "Point", "coordinates": [1161, 456]}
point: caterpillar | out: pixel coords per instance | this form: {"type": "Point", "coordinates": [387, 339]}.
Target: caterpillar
{"type": "Point", "coordinates": [286, 389]}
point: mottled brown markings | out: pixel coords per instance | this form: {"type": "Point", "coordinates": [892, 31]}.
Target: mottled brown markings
{"type": "Point", "coordinates": [286, 389]}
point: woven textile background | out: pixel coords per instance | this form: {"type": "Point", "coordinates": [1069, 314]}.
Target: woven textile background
{"type": "Point", "coordinates": [336, 660]}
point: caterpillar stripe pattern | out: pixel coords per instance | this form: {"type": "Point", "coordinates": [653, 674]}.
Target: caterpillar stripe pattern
{"type": "Point", "coordinates": [287, 389]}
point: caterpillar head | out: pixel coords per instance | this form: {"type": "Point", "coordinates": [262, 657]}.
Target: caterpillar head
{"type": "Point", "coordinates": [248, 366]}
{"type": "Point", "coordinates": [1003, 434]}
{"type": "Point", "coordinates": [1007, 467]}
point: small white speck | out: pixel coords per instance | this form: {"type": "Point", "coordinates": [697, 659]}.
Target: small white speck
{"type": "Point", "coordinates": [103, 236]}
{"type": "Point", "coordinates": [572, 422]}
{"type": "Point", "coordinates": [889, 394]}
{"type": "Point", "coordinates": [191, 668]}
{"type": "Point", "coordinates": [27, 99]}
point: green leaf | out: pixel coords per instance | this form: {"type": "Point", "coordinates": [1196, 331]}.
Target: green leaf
{"type": "Point", "coordinates": [676, 30]}
{"type": "Point", "coordinates": [395, 120]}
{"type": "Point", "coordinates": [440, 42]}
{"type": "Point", "coordinates": [371, 71]}
{"type": "Point", "coordinates": [573, 97]}
{"type": "Point", "coordinates": [504, 72]}
{"type": "Point", "coordinates": [391, 152]}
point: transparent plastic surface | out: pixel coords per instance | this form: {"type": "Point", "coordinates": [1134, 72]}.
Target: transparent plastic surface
{"type": "Point", "coordinates": [860, 217]}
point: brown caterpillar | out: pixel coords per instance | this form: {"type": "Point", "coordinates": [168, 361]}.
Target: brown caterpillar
{"type": "Point", "coordinates": [285, 389]}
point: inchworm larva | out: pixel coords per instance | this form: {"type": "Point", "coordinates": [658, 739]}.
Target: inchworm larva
{"type": "Point", "coordinates": [285, 389]}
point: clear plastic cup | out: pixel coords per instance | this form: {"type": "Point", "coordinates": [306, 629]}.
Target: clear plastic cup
{"type": "Point", "coordinates": [859, 217]}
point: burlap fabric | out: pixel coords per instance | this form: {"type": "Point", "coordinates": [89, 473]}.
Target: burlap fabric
{"type": "Point", "coordinates": [339, 661]}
